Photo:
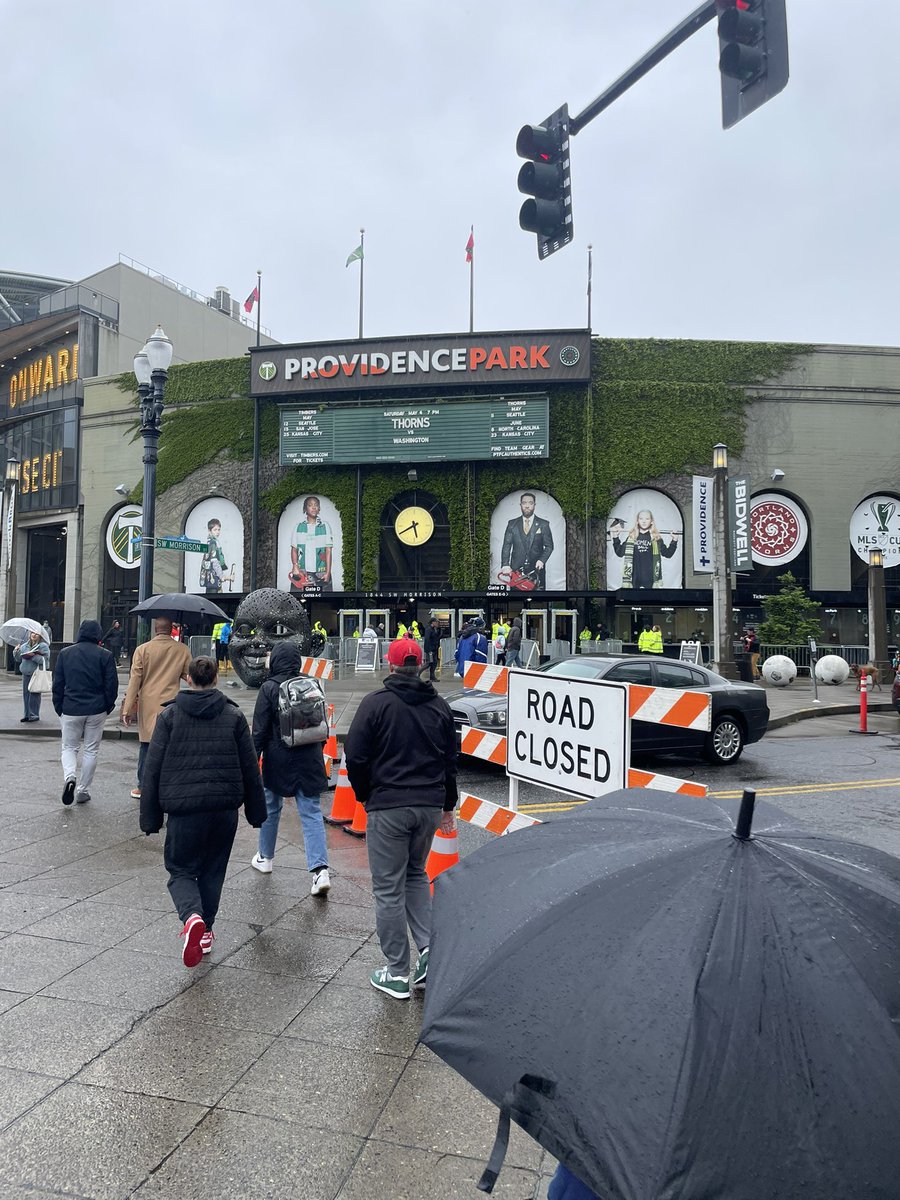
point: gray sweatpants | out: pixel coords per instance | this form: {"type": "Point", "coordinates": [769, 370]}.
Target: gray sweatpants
{"type": "Point", "coordinates": [398, 841]}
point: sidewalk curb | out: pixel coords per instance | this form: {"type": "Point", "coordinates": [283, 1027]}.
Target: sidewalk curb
{"type": "Point", "coordinates": [828, 710]}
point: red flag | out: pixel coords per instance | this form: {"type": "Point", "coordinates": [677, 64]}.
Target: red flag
{"type": "Point", "coordinates": [470, 245]}
{"type": "Point", "coordinates": [252, 299]}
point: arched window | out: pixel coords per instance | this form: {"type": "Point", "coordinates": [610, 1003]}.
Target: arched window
{"type": "Point", "coordinates": [415, 542]}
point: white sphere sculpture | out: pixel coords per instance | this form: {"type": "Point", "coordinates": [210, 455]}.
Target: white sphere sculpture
{"type": "Point", "coordinates": [832, 669]}
{"type": "Point", "coordinates": [779, 670]}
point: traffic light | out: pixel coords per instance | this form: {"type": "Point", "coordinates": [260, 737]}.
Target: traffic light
{"type": "Point", "coordinates": [547, 178]}
{"type": "Point", "coordinates": [753, 55]}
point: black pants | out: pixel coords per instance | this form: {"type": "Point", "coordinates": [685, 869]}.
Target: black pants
{"type": "Point", "coordinates": [196, 856]}
{"type": "Point", "coordinates": [430, 665]}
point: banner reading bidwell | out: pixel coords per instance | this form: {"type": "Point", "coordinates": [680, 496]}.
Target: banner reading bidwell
{"type": "Point", "coordinates": [703, 524]}
{"type": "Point", "coordinates": [532, 357]}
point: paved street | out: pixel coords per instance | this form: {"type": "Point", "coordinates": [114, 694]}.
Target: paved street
{"type": "Point", "coordinates": [273, 1069]}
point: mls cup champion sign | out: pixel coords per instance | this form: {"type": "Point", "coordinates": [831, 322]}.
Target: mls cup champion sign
{"type": "Point", "coordinates": [875, 525]}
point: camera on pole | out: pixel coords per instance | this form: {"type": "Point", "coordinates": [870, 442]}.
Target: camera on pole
{"type": "Point", "coordinates": [753, 55]}
{"type": "Point", "coordinates": [547, 178]}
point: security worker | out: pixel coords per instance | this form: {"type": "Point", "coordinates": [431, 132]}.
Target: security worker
{"type": "Point", "coordinates": [401, 630]}
{"type": "Point", "coordinates": [646, 640]}
{"type": "Point", "coordinates": [320, 628]}
{"type": "Point", "coordinates": [415, 630]}
{"type": "Point", "coordinates": [585, 635]}
{"type": "Point", "coordinates": [356, 632]}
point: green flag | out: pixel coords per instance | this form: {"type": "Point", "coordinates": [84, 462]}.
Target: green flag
{"type": "Point", "coordinates": [357, 254]}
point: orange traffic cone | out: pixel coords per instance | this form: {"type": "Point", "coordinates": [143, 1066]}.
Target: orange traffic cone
{"type": "Point", "coordinates": [444, 855]}
{"type": "Point", "coordinates": [344, 804]}
{"type": "Point", "coordinates": [330, 749]}
{"type": "Point", "coordinates": [358, 827]}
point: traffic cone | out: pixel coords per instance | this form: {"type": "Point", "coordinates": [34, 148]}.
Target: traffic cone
{"type": "Point", "coordinates": [330, 749]}
{"type": "Point", "coordinates": [444, 854]}
{"type": "Point", "coordinates": [358, 826]}
{"type": "Point", "coordinates": [344, 804]}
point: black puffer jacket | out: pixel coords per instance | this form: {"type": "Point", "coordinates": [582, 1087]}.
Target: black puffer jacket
{"type": "Point", "coordinates": [201, 759]}
{"type": "Point", "coordinates": [286, 769]}
{"type": "Point", "coordinates": [84, 678]}
{"type": "Point", "coordinates": [401, 748]}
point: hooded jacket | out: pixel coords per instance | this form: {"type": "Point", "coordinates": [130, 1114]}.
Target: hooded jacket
{"type": "Point", "coordinates": [401, 748]}
{"type": "Point", "coordinates": [84, 678]}
{"type": "Point", "coordinates": [200, 760]}
{"type": "Point", "coordinates": [472, 646]}
{"type": "Point", "coordinates": [287, 770]}
{"type": "Point", "coordinates": [514, 637]}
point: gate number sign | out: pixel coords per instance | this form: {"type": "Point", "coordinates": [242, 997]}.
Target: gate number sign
{"type": "Point", "coordinates": [573, 735]}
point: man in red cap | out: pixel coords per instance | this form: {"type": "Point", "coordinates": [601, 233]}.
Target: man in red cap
{"type": "Point", "coordinates": [401, 761]}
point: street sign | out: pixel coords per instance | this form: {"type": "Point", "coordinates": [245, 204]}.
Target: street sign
{"type": "Point", "coordinates": [180, 543]}
{"type": "Point", "coordinates": [573, 735]}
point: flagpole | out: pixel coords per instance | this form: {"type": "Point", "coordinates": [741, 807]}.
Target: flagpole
{"type": "Point", "coordinates": [590, 251]}
{"type": "Point", "coordinates": [254, 500]}
{"type": "Point", "coordinates": [362, 267]}
{"type": "Point", "coordinates": [472, 281]}
{"type": "Point", "coordinates": [588, 439]}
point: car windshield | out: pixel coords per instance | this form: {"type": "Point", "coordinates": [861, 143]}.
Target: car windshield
{"type": "Point", "coordinates": [577, 668]}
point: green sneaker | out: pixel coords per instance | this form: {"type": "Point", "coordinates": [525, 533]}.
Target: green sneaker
{"type": "Point", "coordinates": [396, 986]}
{"type": "Point", "coordinates": [421, 969]}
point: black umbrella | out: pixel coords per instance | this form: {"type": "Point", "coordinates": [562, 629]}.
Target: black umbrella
{"type": "Point", "coordinates": [180, 606]}
{"type": "Point", "coordinates": [675, 1012]}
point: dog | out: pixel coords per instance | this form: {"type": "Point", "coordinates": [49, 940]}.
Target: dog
{"type": "Point", "coordinates": [870, 672]}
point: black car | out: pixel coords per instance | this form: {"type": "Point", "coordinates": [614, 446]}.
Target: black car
{"type": "Point", "coordinates": [740, 712]}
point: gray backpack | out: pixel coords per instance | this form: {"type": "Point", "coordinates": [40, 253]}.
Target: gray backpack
{"type": "Point", "coordinates": [302, 717]}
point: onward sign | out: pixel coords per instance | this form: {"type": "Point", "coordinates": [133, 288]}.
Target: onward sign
{"type": "Point", "coordinates": [48, 368]}
{"type": "Point", "coordinates": [498, 359]}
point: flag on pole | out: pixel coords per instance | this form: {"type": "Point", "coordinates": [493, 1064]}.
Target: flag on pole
{"type": "Point", "coordinates": [252, 299]}
{"type": "Point", "coordinates": [357, 254]}
{"type": "Point", "coordinates": [470, 245]}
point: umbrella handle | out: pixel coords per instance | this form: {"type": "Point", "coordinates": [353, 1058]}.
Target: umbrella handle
{"type": "Point", "coordinates": [745, 816]}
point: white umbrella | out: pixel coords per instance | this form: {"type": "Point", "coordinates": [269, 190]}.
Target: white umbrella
{"type": "Point", "coordinates": [17, 630]}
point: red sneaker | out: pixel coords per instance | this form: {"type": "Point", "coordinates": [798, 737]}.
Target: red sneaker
{"type": "Point", "coordinates": [206, 941]}
{"type": "Point", "coordinates": [194, 929]}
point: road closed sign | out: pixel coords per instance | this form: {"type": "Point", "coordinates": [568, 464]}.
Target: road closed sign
{"type": "Point", "coordinates": [573, 735]}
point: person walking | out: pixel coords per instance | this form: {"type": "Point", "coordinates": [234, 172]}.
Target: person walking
{"type": "Point", "coordinates": [200, 770]}
{"type": "Point", "coordinates": [222, 659]}
{"type": "Point", "coordinates": [514, 643]}
{"type": "Point", "coordinates": [48, 632]}
{"type": "Point", "coordinates": [297, 771]}
{"type": "Point", "coordinates": [751, 645]}
{"type": "Point", "coordinates": [472, 645]}
{"type": "Point", "coordinates": [432, 649]}
{"type": "Point", "coordinates": [113, 640]}
{"type": "Point", "coordinates": [85, 686]}
{"type": "Point", "coordinates": [401, 762]}
{"type": "Point", "coordinates": [157, 669]}
{"type": "Point", "coordinates": [31, 655]}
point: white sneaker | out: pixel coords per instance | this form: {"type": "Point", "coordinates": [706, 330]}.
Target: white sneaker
{"type": "Point", "coordinates": [262, 864]}
{"type": "Point", "coordinates": [321, 883]}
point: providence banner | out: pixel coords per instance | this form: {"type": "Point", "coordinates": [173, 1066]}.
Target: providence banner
{"type": "Point", "coordinates": [703, 523]}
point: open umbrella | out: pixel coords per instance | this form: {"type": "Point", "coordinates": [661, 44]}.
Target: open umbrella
{"type": "Point", "coordinates": [180, 606]}
{"type": "Point", "coordinates": [16, 630]}
{"type": "Point", "coordinates": [676, 1011]}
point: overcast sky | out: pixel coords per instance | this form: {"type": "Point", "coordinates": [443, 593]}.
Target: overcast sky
{"type": "Point", "coordinates": [206, 138]}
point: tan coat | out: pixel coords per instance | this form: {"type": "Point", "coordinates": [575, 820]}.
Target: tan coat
{"type": "Point", "coordinates": [157, 668]}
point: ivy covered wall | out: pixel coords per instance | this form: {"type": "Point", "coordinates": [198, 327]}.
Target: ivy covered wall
{"type": "Point", "coordinates": [654, 411]}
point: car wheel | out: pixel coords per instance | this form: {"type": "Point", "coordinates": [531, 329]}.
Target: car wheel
{"type": "Point", "coordinates": [725, 742]}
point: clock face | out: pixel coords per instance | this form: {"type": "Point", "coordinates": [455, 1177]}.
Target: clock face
{"type": "Point", "coordinates": [414, 526]}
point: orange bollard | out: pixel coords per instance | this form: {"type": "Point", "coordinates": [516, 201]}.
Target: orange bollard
{"type": "Point", "coordinates": [444, 855]}
{"type": "Point", "coordinates": [344, 804]}
{"type": "Point", "coordinates": [358, 827]}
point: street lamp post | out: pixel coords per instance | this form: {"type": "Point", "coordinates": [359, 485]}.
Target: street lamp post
{"type": "Point", "coordinates": [878, 653]}
{"type": "Point", "coordinates": [722, 631]}
{"type": "Point", "coordinates": [151, 366]}
{"type": "Point", "coordinates": [9, 536]}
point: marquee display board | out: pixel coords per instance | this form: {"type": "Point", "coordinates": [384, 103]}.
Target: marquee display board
{"type": "Point", "coordinates": [514, 426]}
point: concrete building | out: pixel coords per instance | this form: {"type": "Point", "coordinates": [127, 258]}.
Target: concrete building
{"type": "Point", "coordinates": [52, 340]}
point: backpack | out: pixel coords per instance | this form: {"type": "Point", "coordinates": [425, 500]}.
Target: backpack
{"type": "Point", "coordinates": [499, 642]}
{"type": "Point", "coordinates": [302, 717]}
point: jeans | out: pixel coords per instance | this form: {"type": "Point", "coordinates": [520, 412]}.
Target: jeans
{"type": "Point", "coordinates": [84, 732]}
{"type": "Point", "coordinates": [398, 841]}
{"type": "Point", "coordinates": [512, 658]}
{"type": "Point", "coordinates": [311, 820]}
{"type": "Point", "coordinates": [143, 748]}
{"type": "Point", "coordinates": [196, 856]}
{"type": "Point", "coordinates": [31, 700]}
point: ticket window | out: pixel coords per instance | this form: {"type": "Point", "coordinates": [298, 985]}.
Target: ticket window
{"type": "Point", "coordinates": [535, 627]}
{"type": "Point", "coordinates": [349, 621]}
